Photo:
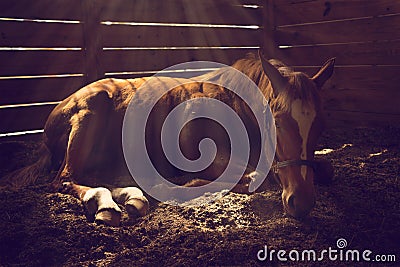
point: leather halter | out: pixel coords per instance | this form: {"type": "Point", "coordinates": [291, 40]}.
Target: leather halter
{"type": "Point", "coordinates": [292, 162]}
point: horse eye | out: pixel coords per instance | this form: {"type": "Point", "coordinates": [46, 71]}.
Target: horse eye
{"type": "Point", "coordinates": [277, 125]}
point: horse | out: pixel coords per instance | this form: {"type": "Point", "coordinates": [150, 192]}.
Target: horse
{"type": "Point", "coordinates": [82, 139]}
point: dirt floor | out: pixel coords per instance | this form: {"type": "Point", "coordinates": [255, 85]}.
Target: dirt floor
{"type": "Point", "coordinates": [38, 228]}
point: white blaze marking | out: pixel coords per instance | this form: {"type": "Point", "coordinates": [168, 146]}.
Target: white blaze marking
{"type": "Point", "coordinates": [304, 118]}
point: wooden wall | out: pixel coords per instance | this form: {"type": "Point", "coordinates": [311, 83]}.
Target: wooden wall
{"type": "Point", "coordinates": [364, 36]}
{"type": "Point", "coordinates": [50, 48]}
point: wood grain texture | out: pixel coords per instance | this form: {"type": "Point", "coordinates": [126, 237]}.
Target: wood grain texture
{"type": "Point", "coordinates": [362, 101]}
{"type": "Point", "coordinates": [363, 36]}
{"type": "Point", "coordinates": [363, 78]}
{"type": "Point", "coordinates": [182, 11]}
{"type": "Point", "coordinates": [33, 34]}
{"type": "Point", "coordinates": [370, 53]}
{"type": "Point", "coordinates": [352, 119]}
{"type": "Point", "coordinates": [92, 39]}
{"type": "Point", "coordinates": [152, 36]}
{"type": "Point", "coordinates": [24, 118]}
{"type": "Point", "coordinates": [363, 95]}
{"type": "Point", "coordinates": [41, 9]}
{"type": "Point", "coordinates": [363, 30]}
{"type": "Point", "coordinates": [24, 91]}
{"type": "Point", "coordinates": [14, 63]}
{"type": "Point", "coordinates": [153, 60]}
{"type": "Point", "coordinates": [297, 12]}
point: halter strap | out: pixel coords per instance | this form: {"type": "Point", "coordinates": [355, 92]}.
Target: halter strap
{"type": "Point", "coordinates": [293, 162]}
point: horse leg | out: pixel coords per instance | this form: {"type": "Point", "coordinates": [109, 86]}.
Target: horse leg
{"type": "Point", "coordinates": [186, 193]}
{"type": "Point", "coordinates": [136, 204]}
{"type": "Point", "coordinates": [98, 203]}
{"type": "Point", "coordinates": [242, 187]}
{"type": "Point", "coordinates": [87, 131]}
{"type": "Point", "coordinates": [80, 144]}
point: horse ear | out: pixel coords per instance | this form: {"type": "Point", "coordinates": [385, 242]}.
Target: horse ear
{"type": "Point", "coordinates": [278, 81]}
{"type": "Point", "coordinates": [324, 73]}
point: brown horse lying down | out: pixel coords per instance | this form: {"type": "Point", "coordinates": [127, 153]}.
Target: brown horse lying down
{"type": "Point", "coordinates": [82, 139]}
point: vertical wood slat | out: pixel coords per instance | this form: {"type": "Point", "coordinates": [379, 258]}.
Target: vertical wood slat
{"type": "Point", "coordinates": [92, 40]}
{"type": "Point", "coordinates": [269, 28]}
{"type": "Point", "coordinates": [270, 46]}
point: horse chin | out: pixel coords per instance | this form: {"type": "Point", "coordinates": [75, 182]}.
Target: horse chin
{"type": "Point", "coordinates": [324, 172]}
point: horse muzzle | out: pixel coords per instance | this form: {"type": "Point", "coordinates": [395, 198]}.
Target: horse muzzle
{"type": "Point", "coordinates": [299, 203]}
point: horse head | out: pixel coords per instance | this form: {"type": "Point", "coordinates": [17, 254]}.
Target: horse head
{"type": "Point", "coordinates": [296, 107]}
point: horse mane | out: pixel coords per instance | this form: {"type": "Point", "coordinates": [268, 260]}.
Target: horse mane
{"type": "Point", "coordinates": [300, 84]}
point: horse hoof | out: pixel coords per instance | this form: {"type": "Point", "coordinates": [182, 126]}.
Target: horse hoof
{"type": "Point", "coordinates": [137, 207]}
{"type": "Point", "coordinates": [109, 217]}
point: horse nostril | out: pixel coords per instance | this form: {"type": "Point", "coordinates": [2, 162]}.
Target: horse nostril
{"type": "Point", "coordinates": [299, 206]}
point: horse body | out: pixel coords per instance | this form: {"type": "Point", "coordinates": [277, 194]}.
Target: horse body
{"type": "Point", "coordinates": [83, 132]}
{"type": "Point", "coordinates": [83, 136]}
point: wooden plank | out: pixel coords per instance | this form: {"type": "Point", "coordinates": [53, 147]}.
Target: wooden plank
{"type": "Point", "coordinates": [362, 101]}
{"type": "Point", "coordinates": [363, 78]}
{"type": "Point", "coordinates": [364, 30]}
{"type": "Point", "coordinates": [182, 11]}
{"type": "Point", "coordinates": [14, 63]}
{"type": "Point", "coordinates": [152, 36]}
{"type": "Point", "coordinates": [41, 9]}
{"type": "Point", "coordinates": [153, 60]}
{"type": "Point", "coordinates": [289, 12]}
{"type": "Point", "coordinates": [338, 118]}
{"type": "Point", "coordinates": [22, 91]}
{"type": "Point", "coordinates": [381, 78]}
{"type": "Point", "coordinates": [371, 53]}
{"type": "Point", "coordinates": [26, 118]}
{"type": "Point", "coordinates": [270, 47]}
{"type": "Point", "coordinates": [33, 34]}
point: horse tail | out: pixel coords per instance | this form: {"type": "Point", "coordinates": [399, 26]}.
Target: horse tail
{"type": "Point", "coordinates": [31, 174]}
